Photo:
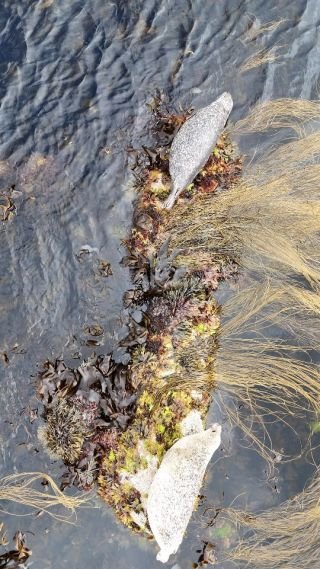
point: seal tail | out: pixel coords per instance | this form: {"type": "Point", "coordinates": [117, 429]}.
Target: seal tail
{"type": "Point", "coordinates": [169, 202]}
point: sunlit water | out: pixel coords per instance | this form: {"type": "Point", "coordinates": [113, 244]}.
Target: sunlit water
{"type": "Point", "coordinates": [75, 78]}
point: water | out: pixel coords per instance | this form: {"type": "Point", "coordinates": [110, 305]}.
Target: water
{"type": "Point", "coordinates": [74, 81]}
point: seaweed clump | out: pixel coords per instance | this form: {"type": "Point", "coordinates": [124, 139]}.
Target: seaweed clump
{"type": "Point", "coordinates": [79, 405]}
{"type": "Point", "coordinates": [177, 338]}
{"type": "Point", "coordinates": [121, 420]}
{"type": "Point", "coordinates": [64, 432]}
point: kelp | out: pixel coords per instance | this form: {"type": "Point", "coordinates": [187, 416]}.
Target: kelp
{"type": "Point", "coordinates": [255, 29]}
{"type": "Point", "coordinates": [261, 57]}
{"type": "Point", "coordinates": [269, 224]}
{"type": "Point", "coordinates": [262, 229]}
{"type": "Point", "coordinates": [283, 537]}
{"type": "Point", "coordinates": [293, 114]}
{"type": "Point", "coordinates": [18, 488]}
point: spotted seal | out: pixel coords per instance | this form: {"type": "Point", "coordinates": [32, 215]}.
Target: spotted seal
{"type": "Point", "coordinates": [176, 485]}
{"type": "Point", "coordinates": [194, 142]}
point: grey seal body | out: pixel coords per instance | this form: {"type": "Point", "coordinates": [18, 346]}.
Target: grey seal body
{"type": "Point", "coordinates": [194, 143]}
{"type": "Point", "coordinates": [176, 486]}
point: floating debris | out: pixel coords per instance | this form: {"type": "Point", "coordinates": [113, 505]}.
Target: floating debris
{"type": "Point", "coordinates": [18, 488]}
{"type": "Point", "coordinates": [104, 268]}
{"type": "Point", "coordinates": [207, 556]}
{"type": "Point", "coordinates": [262, 57]}
{"type": "Point", "coordinates": [94, 330]}
{"type": "Point", "coordinates": [7, 205]}
{"type": "Point", "coordinates": [3, 536]}
{"type": "Point", "coordinates": [85, 251]}
{"type": "Point", "coordinates": [255, 28]}
{"type": "Point", "coordinates": [16, 557]}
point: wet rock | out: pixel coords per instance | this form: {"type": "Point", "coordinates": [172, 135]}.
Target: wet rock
{"type": "Point", "coordinates": [94, 330]}
{"type": "Point", "coordinates": [192, 423]}
{"type": "Point", "coordinates": [176, 486]}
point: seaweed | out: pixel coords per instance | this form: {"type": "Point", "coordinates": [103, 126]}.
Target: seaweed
{"type": "Point", "coordinates": [112, 423]}
{"type": "Point", "coordinates": [7, 204]}
{"type": "Point", "coordinates": [18, 556]}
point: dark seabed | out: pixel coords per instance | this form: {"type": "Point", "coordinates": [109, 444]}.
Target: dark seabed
{"type": "Point", "coordinates": [75, 78]}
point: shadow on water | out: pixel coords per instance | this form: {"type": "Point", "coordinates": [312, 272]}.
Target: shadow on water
{"type": "Point", "coordinates": [74, 80]}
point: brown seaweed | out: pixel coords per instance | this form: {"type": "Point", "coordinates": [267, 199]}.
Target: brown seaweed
{"type": "Point", "coordinates": [102, 410]}
{"type": "Point", "coordinates": [18, 556]}
{"type": "Point", "coordinates": [80, 405]}
{"type": "Point", "coordinates": [7, 204]}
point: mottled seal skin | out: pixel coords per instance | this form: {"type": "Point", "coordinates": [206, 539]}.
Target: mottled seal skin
{"type": "Point", "coordinates": [175, 488]}
{"type": "Point", "coordinates": [194, 143]}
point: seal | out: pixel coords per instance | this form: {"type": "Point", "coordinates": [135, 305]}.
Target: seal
{"type": "Point", "coordinates": [176, 485]}
{"type": "Point", "coordinates": [194, 142]}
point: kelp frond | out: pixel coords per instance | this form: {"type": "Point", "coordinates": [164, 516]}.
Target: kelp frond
{"type": "Point", "coordinates": [269, 225]}
{"type": "Point", "coordinates": [18, 488]}
{"type": "Point", "coordinates": [279, 113]}
{"type": "Point", "coordinates": [261, 57]}
{"type": "Point", "coordinates": [286, 537]}
{"type": "Point", "coordinates": [270, 228]}
{"type": "Point", "coordinates": [256, 30]}
{"type": "Point", "coordinates": [260, 306]}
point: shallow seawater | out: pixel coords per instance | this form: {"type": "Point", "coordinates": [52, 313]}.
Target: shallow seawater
{"type": "Point", "coordinates": [75, 78]}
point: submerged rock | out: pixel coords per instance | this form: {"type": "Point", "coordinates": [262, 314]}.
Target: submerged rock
{"type": "Point", "coordinates": [176, 486]}
{"type": "Point", "coordinates": [194, 143]}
